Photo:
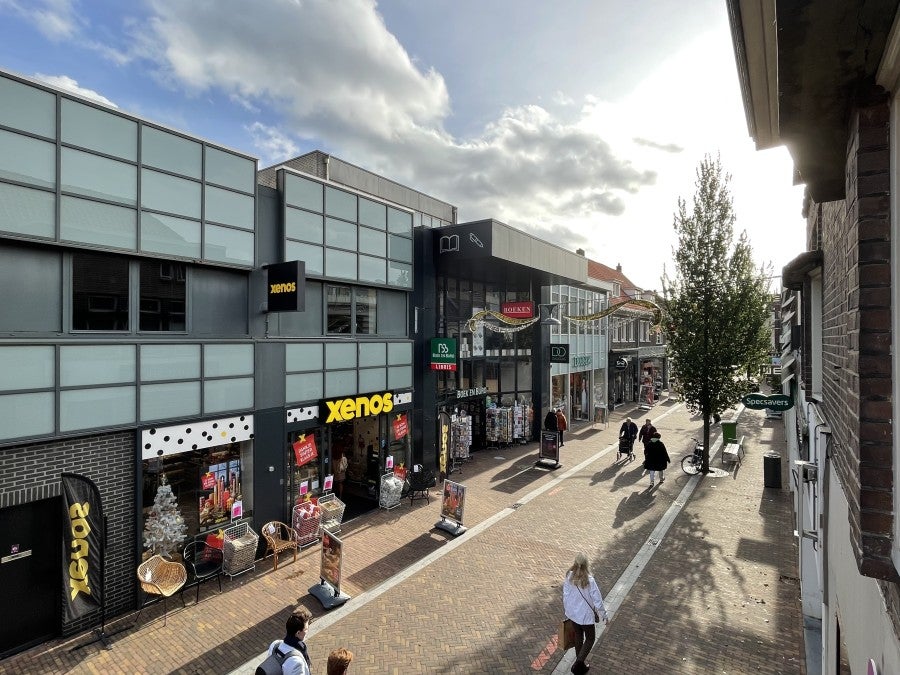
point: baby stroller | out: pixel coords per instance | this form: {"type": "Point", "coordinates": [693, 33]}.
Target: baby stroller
{"type": "Point", "coordinates": [626, 447]}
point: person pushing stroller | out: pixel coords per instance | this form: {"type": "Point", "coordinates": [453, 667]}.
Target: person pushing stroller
{"type": "Point", "coordinates": [628, 432]}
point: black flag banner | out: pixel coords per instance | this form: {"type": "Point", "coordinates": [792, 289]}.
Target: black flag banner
{"type": "Point", "coordinates": [83, 543]}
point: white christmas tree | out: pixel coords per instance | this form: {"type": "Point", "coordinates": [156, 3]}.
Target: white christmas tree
{"type": "Point", "coordinates": [165, 528]}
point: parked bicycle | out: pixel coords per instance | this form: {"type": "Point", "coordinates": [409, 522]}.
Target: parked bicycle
{"type": "Point", "coordinates": [691, 464]}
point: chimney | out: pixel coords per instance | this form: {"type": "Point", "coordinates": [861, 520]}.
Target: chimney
{"type": "Point", "coordinates": [619, 268]}
{"type": "Point", "coordinates": [580, 252]}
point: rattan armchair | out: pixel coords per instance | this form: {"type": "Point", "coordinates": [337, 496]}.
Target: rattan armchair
{"type": "Point", "coordinates": [159, 579]}
{"type": "Point", "coordinates": [279, 537]}
{"type": "Point", "coordinates": [203, 562]}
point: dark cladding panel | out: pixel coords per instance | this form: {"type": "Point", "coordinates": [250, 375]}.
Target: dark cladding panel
{"type": "Point", "coordinates": [219, 302]}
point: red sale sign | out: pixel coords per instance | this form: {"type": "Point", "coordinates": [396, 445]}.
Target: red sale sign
{"type": "Point", "coordinates": [401, 427]}
{"type": "Point", "coordinates": [208, 481]}
{"type": "Point", "coordinates": [305, 449]}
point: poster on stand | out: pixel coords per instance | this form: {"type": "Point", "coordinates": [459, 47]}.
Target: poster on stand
{"type": "Point", "coordinates": [549, 446]}
{"type": "Point", "coordinates": [453, 501]}
{"type": "Point", "coordinates": [332, 559]}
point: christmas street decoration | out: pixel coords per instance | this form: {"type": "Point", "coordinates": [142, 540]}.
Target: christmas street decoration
{"type": "Point", "coordinates": [513, 325]}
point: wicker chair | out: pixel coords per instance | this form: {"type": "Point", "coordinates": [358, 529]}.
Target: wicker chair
{"type": "Point", "coordinates": [203, 562]}
{"type": "Point", "coordinates": [159, 579]}
{"type": "Point", "coordinates": [420, 480]}
{"type": "Point", "coordinates": [279, 537]}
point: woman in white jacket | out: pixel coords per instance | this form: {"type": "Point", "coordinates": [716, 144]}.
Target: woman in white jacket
{"type": "Point", "coordinates": [583, 604]}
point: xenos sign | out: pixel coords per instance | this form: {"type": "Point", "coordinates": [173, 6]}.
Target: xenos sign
{"type": "Point", "coordinates": [345, 409]}
{"type": "Point", "coordinates": [283, 288]}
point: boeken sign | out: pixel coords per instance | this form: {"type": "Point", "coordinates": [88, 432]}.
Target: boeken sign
{"type": "Point", "coordinates": [772, 402]}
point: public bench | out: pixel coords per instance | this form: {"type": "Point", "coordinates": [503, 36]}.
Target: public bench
{"type": "Point", "coordinates": [732, 452]}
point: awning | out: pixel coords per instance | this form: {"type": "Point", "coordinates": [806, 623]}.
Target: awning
{"type": "Point", "coordinates": [794, 273]}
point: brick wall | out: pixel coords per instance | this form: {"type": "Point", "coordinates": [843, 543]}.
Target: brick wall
{"type": "Point", "coordinates": [32, 472]}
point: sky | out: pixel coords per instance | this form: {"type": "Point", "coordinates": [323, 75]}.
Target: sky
{"type": "Point", "coordinates": [581, 122]}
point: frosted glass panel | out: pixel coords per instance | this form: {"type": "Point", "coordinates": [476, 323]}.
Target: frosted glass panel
{"type": "Point", "coordinates": [311, 255]}
{"type": "Point", "coordinates": [399, 377]}
{"type": "Point", "coordinates": [96, 223]}
{"type": "Point", "coordinates": [26, 414]}
{"type": "Point", "coordinates": [96, 364]}
{"type": "Point", "coordinates": [303, 225]}
{"type": "Point", "coordinates": [399, 222]}
{"type": "Point", "coordinates": [340, 383]}
{"type": "Point", "coordinates": [303, 357]}
{"type": "Point", "coordinates": [27, 160]}
{"type": "Point", "coordinates": [229, 208]}
{"type": "Point", "coordinates": [372, 354]}
{"type": "Point", "coordinates": [221, 395]}
{"type": "Point", "coordinates": [168, 234]}
{"type": "Point", "coordinates": [304, 387]}
{"type": "Point", "coordinates": [399, 274]}
{"type": "Point", "coordinates": [303, 192]}
{"type": "Point", "coordinates": [225, 360]}
{"type": "Point", "coordinates": [170, 362]}
{"type": "Point", "coordinates": [88, 408]}
{"type": "Point", "coordinates": [373, 270]}
{"type": "Point", "coordinates": [27, 108]}
{"type": "Point", "coordinates": [27, 211]}
{"type": "Point", "coordinates": [340, 234]}
{"type": "Point", "coordinates": [372, 214]}
{"type": "Point", "coordinates": [341, 264]}
{"type": "Point", "coordinates": [400, 248]}
{"type": "Point", "coordinates": [26, 367]}
{"type": "Point", "coordinates": [174, 399]}
{"type": "Point", "coordinates": [340, 356]}
{"type": "Point", "coordinates": [399, 353]}
{"type": "Point", "coordinates": [162, 192]}
{"type": "Point", "coordinates": [98, 130]}
{"type": "Point", "coordinates": [231, 246]}
{"type": "Point", "coordinates": [340, 204]}
{"type": "Point", "coordinates": [372, 242]}
{"type": "Point", "coordinates": [229, 170]}
{"type": "Point", "coordinates": [98, 177]}
{"type": "Point", "coordinates": [170, 152]}
{"type": "Point", "coordinates": [372, 379]}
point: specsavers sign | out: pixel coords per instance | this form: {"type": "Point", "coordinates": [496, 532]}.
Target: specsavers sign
{"type": "Point", "coordinates": [346, 409]}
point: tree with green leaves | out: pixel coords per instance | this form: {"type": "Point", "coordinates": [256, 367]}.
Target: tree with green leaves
{"type": "Point", "coordinates": [716, 308]}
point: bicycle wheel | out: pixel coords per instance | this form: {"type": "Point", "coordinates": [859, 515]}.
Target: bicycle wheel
{"type": "Point", "coordinates": [689, 465]}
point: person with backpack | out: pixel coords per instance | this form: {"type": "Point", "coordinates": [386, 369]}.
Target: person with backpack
{"type": "Point", "coordinates": [289, 656]}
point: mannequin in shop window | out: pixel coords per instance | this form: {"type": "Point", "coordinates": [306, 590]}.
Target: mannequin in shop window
{"type": "Point", "coordinates": [341, 475]}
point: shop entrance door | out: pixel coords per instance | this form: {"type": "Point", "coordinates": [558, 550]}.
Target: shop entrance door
{"type": "Point", "coordinates": [30, 574]}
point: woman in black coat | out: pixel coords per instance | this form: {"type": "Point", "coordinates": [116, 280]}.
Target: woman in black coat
{"type": "Point", "coordinates": [656, 458]}
{"type": "Point", "coordinates": [550, 421]}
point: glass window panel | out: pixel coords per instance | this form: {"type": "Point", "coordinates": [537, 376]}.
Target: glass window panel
{"type": "Point", "coordinates": [96, 223]}
{"type": "Point", "coordinates": [304, 387]}
{"type": "Point", "coordinates": [340, 383]}
{"type": "Point", "coordinates": [90, 408]}
{"type": "Point", "coordinates": [170, 235]}
{"type": "Point", "coordinates": [173, 399]}
{"type": "Point", "coordinates": [304, 193]}
{"type": "Point", "coordinates": [26, 414]}
{"type": "Point", "coordinates": [226, 360]}
{"type": "Point", "coordinates": [96, 364]}
{"type": "Point", "coordinates": [399, 222]}
{"type": "Point", "coordinates": [231, 394]}
{"type": "Point", "coordinates": [27, 108]}
{"type": "Point", "coordinates": [340, 264]}
{"type": "Point", "coordinates": [229, 208]}
{"type": "Point", "coordinates": [364, 311]}
{"type": "Point", "coordinates": [303, 357]}
{"type": "Point", "coordinates": [340, 234]}
{"type": "Point", "coordinates": [340, 355]}
{"type": "Point", "coordinates": [372, 242]}
{"type": "Point", "coordinates": [373, 379]}
{"type": "Point", "coordinates": [27, 211]}
{"type": "Point", "coordinates": [98, 177]}
{"type": "Point", "coordinates": [338, 299]}
{"type": "Point", "coordinates": [373, 270]}
{"type": "Point", "coordinates": [224, 168]}
{"type": "Point", "coordinates": [372, 354]}
{"type": "Point", "coordinates": [372, 213]}
{"type": "Point", "coordinates": [392, 313]}
{"type": "Point", "coordinates": [303, 225]}
{"type": "Point", "coordinates": [162, 192]}
{"type": "Point", "coordinates": [226, 245]}
{"type": "Point", "coordinates": [311, 255]}
{"type": "Point", "coordinates": [399, 353]}
{"type": "Point", "coordinates": [400, 248]}
{"type": "Point", "coordinates": [27, 160]}
{"type": "Point", "coordinates": [170, 362]}
{"type": "Point", "coordinates": [399, 377]}
{"type": "Point", "coordinates": [340, 204]}
{"type": "Point", "coordinates": [98, 130]}
{"type": "Point", "coordinates": [30, 367]}
{"type": "Point", "coordinates": [170, 152]}
{"type": "Point", "coordinates": [99, 292]}
{"type": "Point", "coordinates": [163, 296]}
{"type": "Point", "coordinates": [399, 274]}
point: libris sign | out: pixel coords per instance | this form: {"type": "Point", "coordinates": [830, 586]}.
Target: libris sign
{"type": "Point", "coordinates": [780, 402]}
{"type": "Point", "coordinates": [443, 353]}
{"type": "Point", "coordinates": [346, 409]}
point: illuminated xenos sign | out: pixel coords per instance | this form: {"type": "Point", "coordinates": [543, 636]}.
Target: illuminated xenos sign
{"type": "Point", "coordinates": [345, 409]}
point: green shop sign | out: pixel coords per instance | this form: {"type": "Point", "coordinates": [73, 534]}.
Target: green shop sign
{"type": "Point", "coordinates": [443, 353]}
{"type": "Point", "coordinates": [773, 402]}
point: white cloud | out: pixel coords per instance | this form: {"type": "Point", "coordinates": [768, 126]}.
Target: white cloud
{"type": "Point", "coordinates": [56, 19]}
{"type": "Point", "coordinates": [271, 143]}
{"type": "Point", "coordinates": [67, 83]}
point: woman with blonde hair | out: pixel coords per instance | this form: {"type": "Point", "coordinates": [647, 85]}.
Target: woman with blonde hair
{"type": "Point", "coordinates": [582, 602]}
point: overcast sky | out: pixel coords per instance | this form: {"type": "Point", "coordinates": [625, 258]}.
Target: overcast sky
{"type": "Point", "coordinates": [580, 121]}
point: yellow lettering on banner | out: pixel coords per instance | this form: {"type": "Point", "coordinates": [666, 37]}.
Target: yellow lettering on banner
{"type": "Point", "coordinates": [362, 406]}
{"type": "Point", "coordinates": [79, 568]}
{"type": "Point", "coordinates": [289, 287]}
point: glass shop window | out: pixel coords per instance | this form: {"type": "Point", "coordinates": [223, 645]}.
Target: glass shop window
{"type": "Point", "coordinates": [99, 292]}
{"type": "Point", "coordinates": [163, 296]}
{"type": "Point", "coordinates": [338, 301]}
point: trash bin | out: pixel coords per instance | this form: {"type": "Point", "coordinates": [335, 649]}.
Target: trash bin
{"type": "Point", "coordinates": [772, 470]}
{"type": "Point", "coordinates": [729, 431]}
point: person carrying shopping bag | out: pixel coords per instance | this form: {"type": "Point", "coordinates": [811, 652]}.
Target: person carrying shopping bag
{"type": "Point", "coordinates": [583, 605]}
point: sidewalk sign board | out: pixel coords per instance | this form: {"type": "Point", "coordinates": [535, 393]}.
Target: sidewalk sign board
{"type": "Point", "coordinates": [549, 448]}
{"type": "Point", "coordinates": [453, 503]}
{"type": "Point", "coordinates": [328, 591]}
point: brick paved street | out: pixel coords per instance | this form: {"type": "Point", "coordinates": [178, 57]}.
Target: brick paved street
{"type": "Point", "coordinates": [719, 594]}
